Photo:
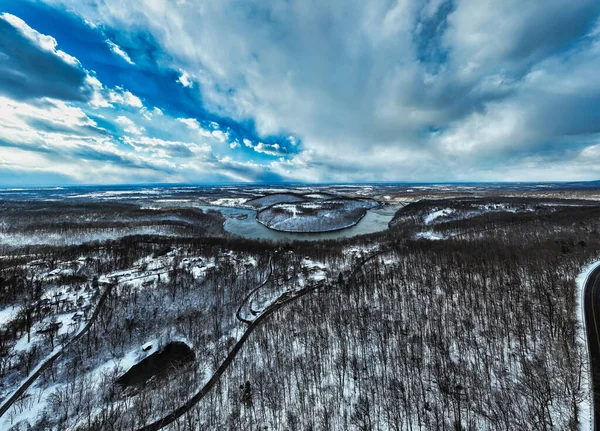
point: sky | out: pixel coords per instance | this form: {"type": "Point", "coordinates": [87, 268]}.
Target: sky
{"type": "Point", "coordinates": [272, 91]}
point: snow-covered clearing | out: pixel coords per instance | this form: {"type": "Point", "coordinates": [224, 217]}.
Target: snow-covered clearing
{"type": "Point", "coordinates": [430, 235]}
{"type": "Point", "coordinates": [429, 218]}
{"type": "Point", "coordinates": [317, 271]}
{"type": "Point", "coordinates": [315, 216]}
{"type": "Point", "coordinates": [358, 251]}
{"type": "Point", "coordinates": [228, 202]}
{"type": "Point", "coordinates": [28, 409]}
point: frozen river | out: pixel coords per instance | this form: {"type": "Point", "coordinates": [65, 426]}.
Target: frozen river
{"type": "Point", "coordinates": [374, 221]}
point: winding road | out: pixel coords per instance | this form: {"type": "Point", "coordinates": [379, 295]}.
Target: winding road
{"type": "Point", "coordinates": [591, 307]}
{"type": "Point", "coordinates": [7, 404]}
{"type": "Point", "coordinates": [238, 313]}
{"type": "Point", "coordinates": [252, 325]}
{"type": "Point", "coordinates": [176, 414]}
{"type": "Point", "coordinates": [173, 416]}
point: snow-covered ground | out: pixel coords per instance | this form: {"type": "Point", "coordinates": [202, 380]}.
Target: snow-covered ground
{"type": "Point", "coordinates": [277, 198]}
{"type": "Point", "coordinates": [316, 216]}
{"type": "Point", "coordinates": [228, 202]}
{"type": "Point", "coordinates": [55, 238]}
{"type": "Point", "coordinates": [26, 410]}
{"type": "Point", "coordinates": [317, 271]}
{"type": "Point", "coordinates": [33, 406]}
{"type": "Point", "coordinates": [431, 235]}
{"type": "Point", "coordinates": [437, 214]}
{"type": "Point", "coordinates": [359, 251]}
{"type": "Point", "coordinates": [270, 292]}
{"type": "Point", "coordinates": [66, 311]}
{"type": "Point", "coordinates": [8, 314]}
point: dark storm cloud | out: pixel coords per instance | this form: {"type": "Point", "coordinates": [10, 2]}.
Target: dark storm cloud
{"type": "Point", "coordinates": [555, 27]}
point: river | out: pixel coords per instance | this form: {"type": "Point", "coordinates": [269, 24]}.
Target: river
{"type": "Point", "coordinates": [374, 221]}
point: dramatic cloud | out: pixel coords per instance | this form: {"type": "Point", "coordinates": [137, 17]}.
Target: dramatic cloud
{"type": "Point", "coordinates": [346, 91]}
{"type": "Point", "coordinates": [32, 67]}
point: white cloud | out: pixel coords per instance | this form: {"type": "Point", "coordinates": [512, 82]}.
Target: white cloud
{"type": "Point", "coordinates": [185, 79]}
{"type": "Point", "coordinates": [270, 150]}
{"type": "Point", "coordinates": [98, 100]}
{"type": "Point", "coordinates": [16, 116]}
{"type": "Point", "coordinates": [165, 149]}
{"type": "Point", "coordinates": [194, 124]}
{"type": "Point", "coordinates": [49, 138]}
{"type": "Point", "coordinates": [129, 126]}
{"type": "Point", "coordinates": [220, 135]}
{"type": "Point", "coordinates": [124, 97]}
{"type": "Point", "coordinates": [116, 49]}
{"type": "Point", "coordinates": [47, 43]}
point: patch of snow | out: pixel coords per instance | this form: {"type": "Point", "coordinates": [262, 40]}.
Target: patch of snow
{"type": "Point", "coordinates": [317, 270]}
{"type": "Point", "coordinates": [317, 196]}
{"type": "Point", "coordinates": [250, 261]}
{"type": "Point", "coordinates": [8, 314]}
{"type": "Point", "coordinates": [29, 410]}
{"type": "Point", "coordinates": [429, 218]}
{"type": "Point", "coordinates": [74, 238]}
{"type": "Point", "coordinates": [22, 345]}
{"type": "Point", "coordinates": [134, 356]}
{"type": "Point", "coordinates": [433, 236]}
{"type": "Point", "coordinates": [27, 413]}
{"type": "Point", "coordinates": [359, 251]}
{"type": "Point", "coordinates": [228, 202]}
{"type": "Point", "coordinates": [199, 271]}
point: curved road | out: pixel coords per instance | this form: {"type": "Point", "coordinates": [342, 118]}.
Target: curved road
{"type": "Point", "coordinates": [238, 313]}
{"type": "Point", "coordinates": [48, 362]}
{"type": "Point", "coordinates": [591, 307]}
{"type": "Point", "coordinates": [252, 325]}
{"type": "Point", "coordinates": [173, 416]}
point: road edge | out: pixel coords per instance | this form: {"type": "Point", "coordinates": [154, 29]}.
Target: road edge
{"type": "Point", "coordinates": [585, 407]}
{"type": "Point", "coordinates": [48, 361]}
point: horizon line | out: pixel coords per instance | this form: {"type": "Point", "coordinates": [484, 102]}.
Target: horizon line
{"type": "Point", "coordinates": [290, 183]}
